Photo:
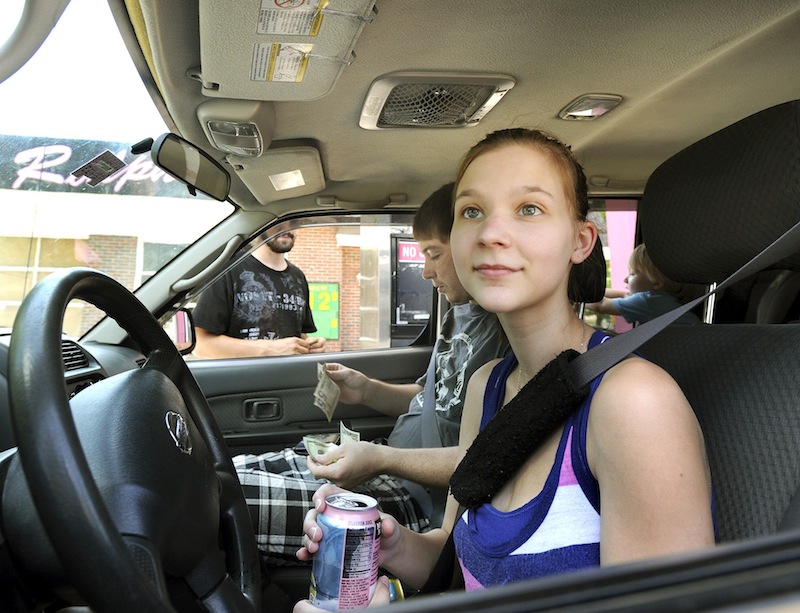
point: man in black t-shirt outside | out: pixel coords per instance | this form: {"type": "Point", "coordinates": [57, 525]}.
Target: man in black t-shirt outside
{"type": "Point", "coordinates": [259, 307]}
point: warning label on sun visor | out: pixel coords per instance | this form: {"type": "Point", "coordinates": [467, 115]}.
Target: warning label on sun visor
{"type": "Point", "coordinates": [279, 62]}
{"type": "Point", "coordinates": [291, 17]}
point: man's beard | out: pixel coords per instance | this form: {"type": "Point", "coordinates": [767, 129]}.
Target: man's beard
{"type": "Point", "coordinates": [278, 245]}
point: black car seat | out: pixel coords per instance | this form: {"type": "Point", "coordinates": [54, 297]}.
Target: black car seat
{"type": "Point", "coordinates": [768, 297]}
{"type": "Point", "coordinates": [705, 212]}
{"type": "Point", "coordinates": [778, 302]}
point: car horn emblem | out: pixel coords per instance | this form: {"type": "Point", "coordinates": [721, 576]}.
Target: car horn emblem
{"type": "Point", "coordinates": [176, 425]}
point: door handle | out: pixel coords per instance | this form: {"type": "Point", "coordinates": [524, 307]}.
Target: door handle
{"type": "Point", "coordinates": [263, 409]}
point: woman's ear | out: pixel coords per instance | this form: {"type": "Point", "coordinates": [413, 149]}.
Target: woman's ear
{"type": "Point", "coordinates": [584, 243]}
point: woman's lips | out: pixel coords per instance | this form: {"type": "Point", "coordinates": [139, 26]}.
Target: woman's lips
{"type": "Point", "coordinates": [493, 271]}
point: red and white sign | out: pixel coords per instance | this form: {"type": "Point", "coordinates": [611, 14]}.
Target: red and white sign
{"type": "Point", "coordinates": [409, 252]}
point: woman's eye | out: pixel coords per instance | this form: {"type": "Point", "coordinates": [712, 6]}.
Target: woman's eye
{"type": "Point", "coordinates": [530, 209]}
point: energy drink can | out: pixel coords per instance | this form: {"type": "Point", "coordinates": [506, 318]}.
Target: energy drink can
{"type": "Point", "coordinates": [345, 569]}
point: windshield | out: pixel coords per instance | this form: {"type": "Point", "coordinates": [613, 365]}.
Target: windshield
{"type": "Point", "coordinates": [78, 98]}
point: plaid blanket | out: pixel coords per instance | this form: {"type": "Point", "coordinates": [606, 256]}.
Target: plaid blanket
{"type": "Point", "coordinates": [278, 487]}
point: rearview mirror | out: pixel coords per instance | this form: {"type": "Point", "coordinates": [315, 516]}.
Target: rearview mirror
{"type": "Point", "coordinates": [191, 165]}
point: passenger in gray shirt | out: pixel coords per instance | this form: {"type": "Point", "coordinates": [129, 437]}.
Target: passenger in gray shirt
{"type": "Point", "coordinates": [409, 475]}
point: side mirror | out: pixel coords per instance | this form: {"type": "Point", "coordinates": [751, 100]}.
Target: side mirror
{"type": "Point", "coordinates": [191, 165]}
{"type": "Point", "coordinates": [180, 329]}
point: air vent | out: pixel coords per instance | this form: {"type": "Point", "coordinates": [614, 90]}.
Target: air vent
{"type": "Point", "coordinates": [431, 100]}
{"type": "Point", "coordinates": [73, 356]}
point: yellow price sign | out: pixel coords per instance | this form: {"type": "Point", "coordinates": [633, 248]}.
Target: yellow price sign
{"type": "Point", "coordinates": [324, 302]}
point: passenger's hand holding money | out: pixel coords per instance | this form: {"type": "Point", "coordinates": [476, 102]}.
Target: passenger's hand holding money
{"type": "Point", "coordinates": [353, 385]}
{"type": "Point", "coordinates": [320, 444]}
{"type": "Point", "coordinates": [349, 465]}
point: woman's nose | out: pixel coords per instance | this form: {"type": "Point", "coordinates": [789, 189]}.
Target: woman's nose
{"type": "Point", "coordinates": [493, 230]}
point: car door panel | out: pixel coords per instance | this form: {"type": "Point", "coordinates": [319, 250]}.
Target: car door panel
{"type": "Point", "coordinates": [264, 404]}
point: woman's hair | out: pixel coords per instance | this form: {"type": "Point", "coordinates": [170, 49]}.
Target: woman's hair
{"type": "Point", "coordinates": [434, 218]}
{"type": "Point", "coordinates": [559, 153]}
{"type": "Point", "coordinates": [641, 263]}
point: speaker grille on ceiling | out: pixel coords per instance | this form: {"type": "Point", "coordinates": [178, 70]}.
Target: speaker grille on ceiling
{"type": "Point", "coordinates": [424, 100]}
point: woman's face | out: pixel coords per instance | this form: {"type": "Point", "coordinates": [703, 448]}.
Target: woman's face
{"type": "Point", "coordinates": [514, 234]}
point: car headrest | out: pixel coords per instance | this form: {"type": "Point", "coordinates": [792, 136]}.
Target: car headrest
{"type": "Point", "coordinates": [709, 209]}
{"type": "Point", "coordinates": [587, 281]}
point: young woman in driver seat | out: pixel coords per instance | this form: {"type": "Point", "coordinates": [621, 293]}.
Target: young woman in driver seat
{"type": "Point", "coordinates": [552, 480]}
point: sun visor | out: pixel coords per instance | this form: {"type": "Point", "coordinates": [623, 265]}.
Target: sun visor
{"type": "Point", "coordinates": [283, 172]}
{"type": "Point", "coordinates": [278, 50]}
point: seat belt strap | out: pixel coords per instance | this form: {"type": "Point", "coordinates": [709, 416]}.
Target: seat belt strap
{"type": "Point", "coordinates": [429, 429]}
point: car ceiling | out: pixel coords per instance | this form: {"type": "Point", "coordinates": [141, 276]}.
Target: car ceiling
{"type": "Point", "coordinates": [684, 70]}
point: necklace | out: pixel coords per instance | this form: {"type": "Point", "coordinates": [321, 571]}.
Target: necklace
{"type": "Point", "coordinates": [583, 335]}
{"type": "Point", "coordinates": [520, 370]}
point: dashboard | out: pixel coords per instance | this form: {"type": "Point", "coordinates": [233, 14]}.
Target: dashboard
{"type": "Point", "coordinates": [84, 365]}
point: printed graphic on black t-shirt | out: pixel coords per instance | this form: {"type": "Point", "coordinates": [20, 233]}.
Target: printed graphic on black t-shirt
{"type": "Point", "coordinates": [268, 307]}
{"type": "Point", "coordinates": [253, 301]}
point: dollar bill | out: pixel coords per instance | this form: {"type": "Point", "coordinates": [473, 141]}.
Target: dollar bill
{"type": "Point", "coordinates": [326, 394]}
{"type": "Point", "coordinates": [347, 436]}
{"type": "Point", "coordinates": [319, 444]}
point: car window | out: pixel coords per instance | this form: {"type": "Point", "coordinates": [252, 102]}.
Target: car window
{"type": "Point", "coordinates": [11, 13]}
{"type": "Point", "coordinates": [365, 281]}
{"type": "Point", "coordinates": [129, 224]}
{"type": "Point", "coordinates": [616, 223]}
{"type": "Point", "coordinates": [366, 288]}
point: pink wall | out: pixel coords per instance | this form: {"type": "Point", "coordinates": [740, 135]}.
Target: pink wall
{"type": "Point", "coordinates": [621, 228]}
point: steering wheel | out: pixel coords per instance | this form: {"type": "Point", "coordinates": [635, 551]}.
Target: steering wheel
{"type": "Point", "coordinates": [131, 478]}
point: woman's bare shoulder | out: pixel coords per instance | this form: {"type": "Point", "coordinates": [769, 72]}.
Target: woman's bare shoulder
{"type": "Point", "coordinates": [640, 396]}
